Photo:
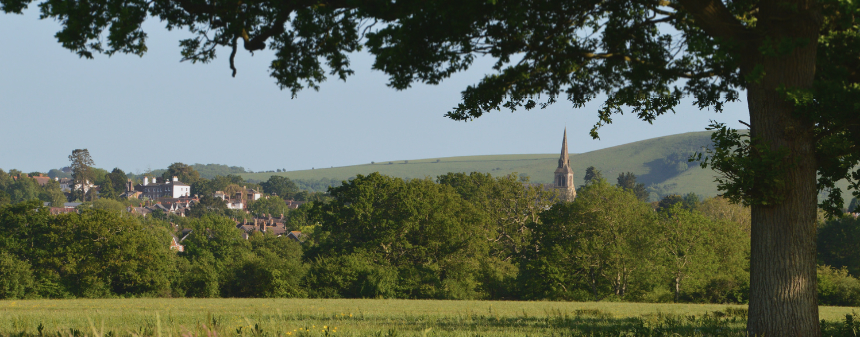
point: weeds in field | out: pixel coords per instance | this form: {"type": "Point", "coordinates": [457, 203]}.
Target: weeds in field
{"type": "Point", "coordinates": [586, 322]}
{"type": "Point", "coordinates": [317, 318]}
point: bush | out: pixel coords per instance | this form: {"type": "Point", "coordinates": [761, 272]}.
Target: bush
{"type": "Point", "coordinates": [16, 278]}
{"type": "Point", "coordinates": [351, 276]}
{"type": "Point", "coordinates": [837, 287]}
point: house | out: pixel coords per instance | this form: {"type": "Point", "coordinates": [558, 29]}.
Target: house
{"type": "Point", "coordinates": [293, 204]}
{"type": "Point", "coordinates": [42, 179]}
{"type": "Point", "coordinates": [235, 204]}
{"type": "Point", "coordinates": [295, 235]}
{"type": "Point", "coordinates": [265, 224]}
{"type": "Point", "coordinates": [253, 195]}
{"type": "Point", "coordinates": [66, 185]}
{"type": "Point", "coordinates": [61, 210]}
{"type": "Point", "coordinates": [142, 211]}
{"type": "Point", "coordinates": [176, 242]}
{"type": "Point", "coordinates": [158, 188]}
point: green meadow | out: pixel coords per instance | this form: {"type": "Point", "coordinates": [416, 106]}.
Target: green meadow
{"type": "Point", "coordinates": [365, 317]}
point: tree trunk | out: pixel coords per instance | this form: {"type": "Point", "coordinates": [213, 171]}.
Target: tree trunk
{"type": "Point", "coordinates": [783, 290]}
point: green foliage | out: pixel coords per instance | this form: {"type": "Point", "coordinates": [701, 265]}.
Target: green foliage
{"type": "Point", "coordinates": [118, 179]}
{"type": "Point", "coordinates": [591, 248]}
{"type": "Point", "coordinates": [82, 172]}
{"type": "Point", "coordinates": [283, 187]}
{"type": "Point", "coordinates": [5, 199]}
{"type": "Point", "coordinates": [205, 187]}
{"type": "Point", "coordinates": [210, 171]}
{"type": "Point", "coordinates": [92, 254]}
{"type": "Point", "coordinates": [186, 174]}
{"type": "Point", "coordinates": [422, 229]}
{"type": "Point", "coordinates": [705, 259]}
{"type": "Point", "coordinates": [207, 204]}
{"type": "Point", "coordinates": [109, 205]}
{"type": "Point", "coordinates": [55, 173]}
{"type": "Point", "coordinates": [837, 287]}
{"type": "Point", "coordinates": [752, 172]}
{"type": "Point", "coordinates": [272, 206]}
{"type": "Point", "coordinates": [592, 174]}
{"type": "Point", "coordinates": [16, 277]}
{"type": "Point", "coordinates": [510, 203]}
{"type": "Point", "coordinates": [52, 193]}
{"type": "Point", "coordinates": [274, 270]}
{"type": "Point", "coordinates": [627, 181]}
{"type": "Point", "coordinates": [107, 191]}
{"type": "Point", "coordinates": [466, 236]}
{"type": "Point", "coordinates": [356, 275]}
{"type": "Point", "coordinates": [23, 189]}
{"type": "Point", "coordinates": [839, 244]}
{"type": "Point", "coordinates": [318, 185]}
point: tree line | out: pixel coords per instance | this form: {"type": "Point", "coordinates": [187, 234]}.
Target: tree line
{"type": "Point", "coordinates": [460, 236]}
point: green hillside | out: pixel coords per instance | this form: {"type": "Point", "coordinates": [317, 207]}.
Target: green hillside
{"type": "Point", "coordinates": [659, 161]}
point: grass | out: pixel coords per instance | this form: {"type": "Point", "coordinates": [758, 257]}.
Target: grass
{"type": "Point", "coordinates": [643, 158]}
{"type": "Point", "coordinates": [359, 317]}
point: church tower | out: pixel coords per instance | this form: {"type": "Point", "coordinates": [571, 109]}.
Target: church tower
{"type": "Point", "coordinates": [563, 182]}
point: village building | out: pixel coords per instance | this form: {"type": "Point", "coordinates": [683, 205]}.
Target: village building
{"type": "Point", "coordinates": [264, 224]}
{"type": "Point", "coordinates": [158, 188]}
{"type": "Point", "coordinates": [42, 179]}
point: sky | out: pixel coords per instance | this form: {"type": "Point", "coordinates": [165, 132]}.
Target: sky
{"type": "Point", "coordinates": [142, 113]}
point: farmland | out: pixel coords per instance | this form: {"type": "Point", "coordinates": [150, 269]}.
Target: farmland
{"type": "Point", "coordinates": [360, 317]}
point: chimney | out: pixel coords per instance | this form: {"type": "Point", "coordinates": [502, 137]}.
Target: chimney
{"type": "Point", "coordinates": [175, 178]}
{"type": "Point", "coordinates": [145, 181]}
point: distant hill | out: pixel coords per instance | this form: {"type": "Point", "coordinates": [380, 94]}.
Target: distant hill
{"type": "Point", "coordinates": [659, 163]}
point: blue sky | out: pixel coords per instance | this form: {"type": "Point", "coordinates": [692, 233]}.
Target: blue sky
{"type": "Point", "coordinates": [139, 113]}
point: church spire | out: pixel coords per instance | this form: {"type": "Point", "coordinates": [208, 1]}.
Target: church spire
{"type": "Point", "coordinates": [564, 174]}
{"type": "Point", "coordinates": [564, 160]}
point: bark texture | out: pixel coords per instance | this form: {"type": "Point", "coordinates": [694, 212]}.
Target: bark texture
{"type": "Point", "coordinates": [783, 291]}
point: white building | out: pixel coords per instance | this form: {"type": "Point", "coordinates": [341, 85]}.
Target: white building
{"type": "Point", "coordinates": [157, 188]}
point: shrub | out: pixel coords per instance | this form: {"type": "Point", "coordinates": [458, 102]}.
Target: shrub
{"type": "Point", "coordinates": [837, 287]}
{"type": "Point", "coordinates": [16, 278]}
{"type": "Point", "coordinates": [351, 276]}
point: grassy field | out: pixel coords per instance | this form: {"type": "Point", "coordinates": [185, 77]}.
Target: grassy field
{"type": "Point", "coordinates": [321, 317]}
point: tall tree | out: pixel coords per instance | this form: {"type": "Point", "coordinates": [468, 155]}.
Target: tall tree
{"type": "Point", "coordinates": [592, 174]}
{"type": "Point", "coordinates": [627, 181]}
{"type": "Point", "coordinates": [281, 186]}
{"type": "Point", "coordinates": [186, 174]}
{"type": "Point", "coordinates": [271, 206]}
{"type": "Point", "coordinates": [82, 175]}
{"type": "Point", "coordinates": [794, 58]}
{"type": "Point", "coordinates": [52, 193]}
{"type": "Point", "coordinates": [119, 180]}
{"type": "Point", "coordinates": [107, 191]}
{"type": "Point", "coordinates": [595, 243]}
{"type": "Point", "coordinates": [23, 188]}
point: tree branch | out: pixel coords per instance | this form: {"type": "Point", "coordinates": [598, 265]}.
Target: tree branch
{"type": "Point", "coordinates": [716, 20]}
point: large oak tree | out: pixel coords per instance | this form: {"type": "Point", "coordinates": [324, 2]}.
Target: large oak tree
{"type": "Point", "coordinates": [797, 60]}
